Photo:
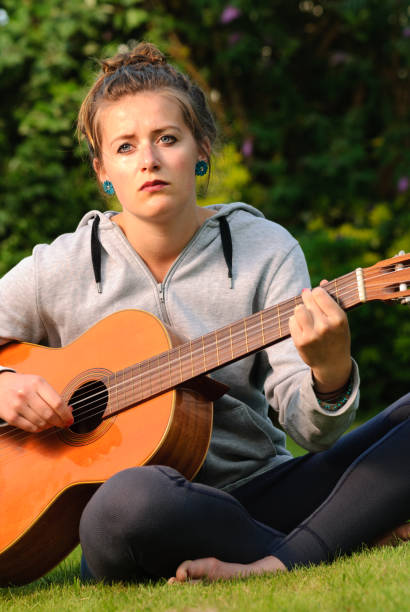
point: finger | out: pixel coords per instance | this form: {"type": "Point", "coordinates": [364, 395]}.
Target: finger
{"type": "Point", "coordinates": [36, 404]}
{"type": "Point", "coordinates": [27, 420]}
{"type": "Point", "coordinates": [304, 317]}
{"type": "Point", "coordinates": [328, 306]}
{"type": "Point", "coordinates": [311, 302]}
{"type": "Point", "coordinates": [59, 415]}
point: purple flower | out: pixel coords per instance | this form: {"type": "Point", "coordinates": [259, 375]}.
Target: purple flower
{"type": "Point", "coordinates": [406, 32]}
{"type": "Point", "coordinates": [247, 147]}
{"type": "Point", "coordinates": [403, 184]}
{"type": "Point", "coordinates": [234, 38]}
{"type": "Point", "coordinates": [230, 13]}
{"type": "Point", "coordinates": [339, 58]}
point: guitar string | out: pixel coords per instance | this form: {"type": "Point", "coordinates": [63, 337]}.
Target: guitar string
{"type": "Point", "coordinates": [282, 314]}
{"type": "Point", "coordinates": [157, 370]}
{"type": "Point", "coordinates": [52, 432]}
{"type": "Point", "coordinates": [159, 367]}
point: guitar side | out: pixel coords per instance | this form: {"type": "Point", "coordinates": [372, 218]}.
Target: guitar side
{"type": "Point", "coordinates": [46, 479]}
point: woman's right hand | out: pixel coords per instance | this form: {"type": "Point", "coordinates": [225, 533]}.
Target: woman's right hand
{"type": "Point", "coordinates": [28, 402]}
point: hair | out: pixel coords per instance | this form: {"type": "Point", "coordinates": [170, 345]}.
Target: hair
{"type": "Point", "coordinates": [144, 68]}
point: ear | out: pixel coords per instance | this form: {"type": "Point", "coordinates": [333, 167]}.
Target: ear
{"type": "Point", "coordinates": [205, 150]}
{"type": "Point", "coordinates": [99, 170]}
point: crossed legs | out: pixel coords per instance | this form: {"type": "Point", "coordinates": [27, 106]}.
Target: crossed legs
{"type": "Point", "coordinates": [147, 522]}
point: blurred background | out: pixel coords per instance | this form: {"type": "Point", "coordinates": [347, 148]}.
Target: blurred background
{"type": "Point", "coordinates": [312, 101]}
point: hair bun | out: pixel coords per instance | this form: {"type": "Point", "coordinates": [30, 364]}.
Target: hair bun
{"type": "Point", "coordinates": [142, 54]}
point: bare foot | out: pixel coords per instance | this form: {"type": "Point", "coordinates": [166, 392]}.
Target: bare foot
{"type": "Point", "coordinates": [394, 537]}
{"type": "Point", "coordinates": [213, 569]}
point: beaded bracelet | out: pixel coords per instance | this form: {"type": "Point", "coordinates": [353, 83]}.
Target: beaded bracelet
{"type": "Point", "coordinates": [341, 401]}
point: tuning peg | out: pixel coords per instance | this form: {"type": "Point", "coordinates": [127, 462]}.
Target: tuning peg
{"type": "Point", "coordinates": [403, 286]}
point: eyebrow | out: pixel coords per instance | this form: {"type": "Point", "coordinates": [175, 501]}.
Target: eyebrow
{"type": "Point", "coordinates": [154, 133]}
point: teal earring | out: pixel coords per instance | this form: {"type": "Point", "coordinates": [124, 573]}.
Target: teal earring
{"type": "Point", "coordinates": [201, 168]}
{"type": "Point", "coordinates": [108, 187]}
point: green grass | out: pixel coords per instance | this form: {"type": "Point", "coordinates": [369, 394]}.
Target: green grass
{"type": "Point", "coordinates": [372, 580]}
{"type": "Point", "coordinates": [376, 580]}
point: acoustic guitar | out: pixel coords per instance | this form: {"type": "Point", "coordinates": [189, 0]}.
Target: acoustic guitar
{"type": "Point", "coordinates": [140, 395]}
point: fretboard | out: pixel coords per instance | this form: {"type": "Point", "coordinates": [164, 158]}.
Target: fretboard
{"type": "Point", "coordinates": [214, 350]}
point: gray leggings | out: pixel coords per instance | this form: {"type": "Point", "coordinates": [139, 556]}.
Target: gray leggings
{"type": "Point", "coordinates": [143, 522]}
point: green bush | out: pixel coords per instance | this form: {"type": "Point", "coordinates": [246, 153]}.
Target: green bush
{"type": "Point", "coordinates": [312, 98]}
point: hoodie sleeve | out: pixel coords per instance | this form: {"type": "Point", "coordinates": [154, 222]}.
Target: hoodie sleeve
{"type": "Point", "coordinates": [19, 316]}
{"type": "Point", "coordinates": [289, 384]}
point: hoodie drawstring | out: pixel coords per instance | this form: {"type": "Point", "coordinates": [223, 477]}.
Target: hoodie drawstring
{"type": "Point", "coordinates": [96, 252]}
{"type": "Point", "coordinates": [226, 240]}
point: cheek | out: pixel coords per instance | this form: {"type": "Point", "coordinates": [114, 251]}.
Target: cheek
{"type": "Point", "coordinates": [185, 166]}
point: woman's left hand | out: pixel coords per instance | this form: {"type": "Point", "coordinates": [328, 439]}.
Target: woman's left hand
{"type": "Point", "coordinates": [320, 331]}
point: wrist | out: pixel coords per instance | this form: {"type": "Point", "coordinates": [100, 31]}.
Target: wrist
{"type": "Point", "coordinates": [334, 400]}
{"type": "Point", "coordinates": [333, 383]}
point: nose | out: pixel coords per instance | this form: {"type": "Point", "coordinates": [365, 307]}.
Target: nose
{"type": "Point", "coordinates": [148, 159]}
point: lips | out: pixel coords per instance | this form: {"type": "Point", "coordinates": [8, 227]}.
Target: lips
{"type": "Point", "coordinates": [153, 185]}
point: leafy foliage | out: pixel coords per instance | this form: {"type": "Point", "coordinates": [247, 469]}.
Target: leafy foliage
{"type": "Point", "coordinates": [313, 98]}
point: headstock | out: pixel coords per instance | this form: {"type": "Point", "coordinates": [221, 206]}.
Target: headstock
{"type": "Point", "coordinates": [389, 279]}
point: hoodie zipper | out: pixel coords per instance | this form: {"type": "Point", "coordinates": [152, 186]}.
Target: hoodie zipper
{"type": "Point", "coordinates": [164, 314]}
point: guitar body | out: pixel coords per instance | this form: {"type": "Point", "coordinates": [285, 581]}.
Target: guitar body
{"type": "Point", "coordinates": [46, 479]}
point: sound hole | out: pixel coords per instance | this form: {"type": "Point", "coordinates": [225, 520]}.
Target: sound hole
{"type": "Point", "coordinates": [89, 402]}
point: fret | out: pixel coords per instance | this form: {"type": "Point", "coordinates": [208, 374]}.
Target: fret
{"type": "Point", "coordinates": [180, 364]}
{"type": "Point", "coordinates": [239, 339]}
{"type": "Point", "coordinates": [159, 374]}
{"type": "Point", "coordinates": [253, 332]}
{"type": "Point", "coordinates": [116, 389]}
{"type": "Point", "coordinates": [203, 352]}
{"type": "Point", "coordinates": [146, 383]}
{"type": "Point", "coordinates": [262, 329]}
{"type": "Point", "coordinates": [223, 346]}
{"type": "Point", "coordinates": [140, 382]}
{"type": "Point", "coordinates": [197, 357]}
{"type": "Point", "coordinates": [217, 349]}
{"type": "Point", "coordinates": [246, 336]}
{"type": "Point", "coordinates": [192, 362]}
{"type": "Point", "coordinates": [279, 322]}
{"type": "Point", "coordinates": [185, 365]}
{"type": "Point", "coordinates": [169, 366]}
{"type": "Point", "coordinates": [124, 389]}
{"type": "Point", "coordinates": [133, 377]}
{"type": "Point", "coordinates": [337, 292]}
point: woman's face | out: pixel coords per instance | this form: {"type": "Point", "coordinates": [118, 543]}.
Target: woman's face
{"type": "Point", "coordinates": [149, 155]}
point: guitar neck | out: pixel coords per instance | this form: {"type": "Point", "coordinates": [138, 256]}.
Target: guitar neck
{"type": "Point", "coordinates": [216, 349]}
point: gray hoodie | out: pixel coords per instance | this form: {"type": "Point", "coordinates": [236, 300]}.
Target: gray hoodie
{"type": "Point", "coordinates": [51, 298]}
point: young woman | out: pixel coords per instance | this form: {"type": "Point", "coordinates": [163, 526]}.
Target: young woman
{"type": "Point", "coordinates": [252, 507]}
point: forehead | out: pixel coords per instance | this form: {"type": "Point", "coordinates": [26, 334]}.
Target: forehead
{"type": "Point", "coordinates": [140, 111]}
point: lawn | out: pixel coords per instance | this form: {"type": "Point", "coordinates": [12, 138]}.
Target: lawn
{"type": "Point", "coordinates": [374, 580]}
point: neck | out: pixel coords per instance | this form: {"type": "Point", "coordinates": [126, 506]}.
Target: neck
{"type": "Point", "coordinates": [216, 349]}
{"type": "Point", "coordinates": [160, 243]}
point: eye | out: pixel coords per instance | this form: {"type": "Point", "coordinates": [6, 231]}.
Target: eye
{"type": "Point", "coordinates": [124, 148]}
{"type": "Point", "coordinates": [167, 139]}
